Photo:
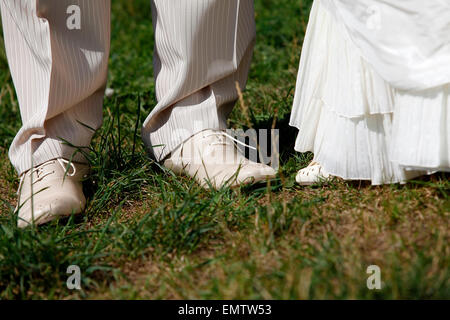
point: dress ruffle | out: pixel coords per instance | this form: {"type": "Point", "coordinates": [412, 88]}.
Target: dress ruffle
{"type": "Point", "coordinates": [356, 123]}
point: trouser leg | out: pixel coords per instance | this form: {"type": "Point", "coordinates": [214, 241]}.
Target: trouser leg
{"type": "Point", "coordinates": [58, 55]}
{"type": "Point", "coordinates": [202, 48]}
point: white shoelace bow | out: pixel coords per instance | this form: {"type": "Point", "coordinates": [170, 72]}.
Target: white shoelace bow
{"type": "Point", "coordinates": [41, 173]}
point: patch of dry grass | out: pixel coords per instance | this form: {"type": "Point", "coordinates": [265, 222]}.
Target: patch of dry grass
{"type": "Point", "coordinates": [348, 228]}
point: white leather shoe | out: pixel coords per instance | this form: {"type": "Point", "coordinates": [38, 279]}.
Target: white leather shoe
{"type": "Point", "coordinates": [312, 174]}
{"type": "Point", "coordinates": [211, 156]}
{"type": "Point", "coordinates": [50, 191]}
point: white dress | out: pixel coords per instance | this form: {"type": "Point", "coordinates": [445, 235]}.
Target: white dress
{"type": "Point", "coordinates": [373, 93]}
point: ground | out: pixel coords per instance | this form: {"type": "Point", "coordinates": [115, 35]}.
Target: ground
{"type": "Point", "coordinates": [149, 234]}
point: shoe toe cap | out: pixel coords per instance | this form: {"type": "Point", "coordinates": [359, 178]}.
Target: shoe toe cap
{"type": "Point", "coordinates": [256, 172]}
{"type": "Point", "coordinates": [49, 209]}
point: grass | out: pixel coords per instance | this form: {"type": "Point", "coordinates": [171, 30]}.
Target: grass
{"type": "Point", "coordinates": [147, 234]}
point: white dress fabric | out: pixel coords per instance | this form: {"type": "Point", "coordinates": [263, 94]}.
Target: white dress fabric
{"type": "Point", "coordinates": [363, 108]}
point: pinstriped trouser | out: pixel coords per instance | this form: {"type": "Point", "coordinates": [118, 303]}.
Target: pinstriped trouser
{"type": "Point", "coordinates": [202, 48]}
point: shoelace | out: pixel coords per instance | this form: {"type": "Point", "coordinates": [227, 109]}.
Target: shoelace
{"type": "Point", "coordinates": [223, 141]}
{"type": "Point", "coordinates": [65, 164]}
{"type": "Point", "coordinates": [41, 174]}
{"type": "Point", "coordinates": [224, 134]}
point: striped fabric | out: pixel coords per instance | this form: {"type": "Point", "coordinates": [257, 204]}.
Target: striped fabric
{"type": "Point", "coordinates": [59, 75]}
{"type": "Point", "coordinates": [202, 48]}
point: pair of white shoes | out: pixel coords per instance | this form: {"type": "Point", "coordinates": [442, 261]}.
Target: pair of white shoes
{"type": "Point", "coordinates": [54, 189]}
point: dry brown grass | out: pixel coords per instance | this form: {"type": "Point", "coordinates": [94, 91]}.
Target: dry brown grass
{"type": "Point", "coordinates": [387, 226]}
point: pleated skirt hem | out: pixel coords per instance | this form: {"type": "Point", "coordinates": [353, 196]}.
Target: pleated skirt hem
{"type": "Point", "coordinates": [356, 124]}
